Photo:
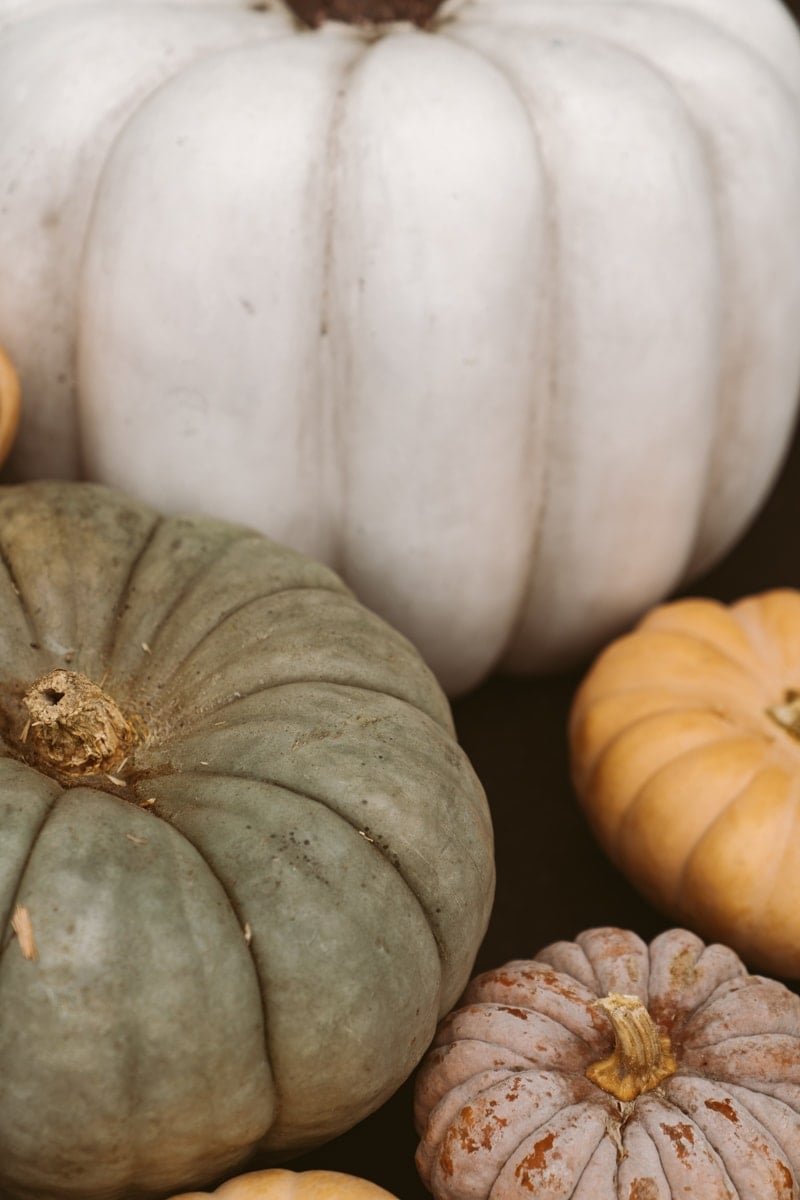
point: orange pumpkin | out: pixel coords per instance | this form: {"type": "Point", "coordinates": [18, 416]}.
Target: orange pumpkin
{"type": "Point", "coordinates": [685, 743]}
{"type": "Point", "coordinates": [279, 1184]}
{"type": "Point", "coordinates": [9, 404]}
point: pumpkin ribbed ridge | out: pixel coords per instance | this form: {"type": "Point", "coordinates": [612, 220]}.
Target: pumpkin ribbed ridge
{"type": "Point", "coordinates": [493, 1124]}
{"type": "Point", "coordinates": [687, 778]}
{"type": "Point", "coordinates": [437, 335]}
{"type": "Point", "coordinates": [285, 879]}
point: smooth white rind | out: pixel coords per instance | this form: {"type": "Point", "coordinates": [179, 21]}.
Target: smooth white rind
{"type": "Point", "coordinates": [500, 320]}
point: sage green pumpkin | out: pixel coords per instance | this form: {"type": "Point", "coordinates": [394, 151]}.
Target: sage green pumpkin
{"type": "Point", "coordinates": [237, 927]}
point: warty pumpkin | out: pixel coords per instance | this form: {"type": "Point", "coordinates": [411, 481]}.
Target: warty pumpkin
{"type": "Point", "coordinates": [685, 754]}
{"type": "Point", "coordinates": [280, 1184]}
{"type": "Point", "coordinates": [609, 1069]}
{"type": "Point", "coordinates": [497, 316]}
{"type": "Point", "coordinates": [244, 865]}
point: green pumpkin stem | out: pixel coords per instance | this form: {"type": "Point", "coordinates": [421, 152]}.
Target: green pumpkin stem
{"type": "Point", "coordinates": [642, 1055]}
{"type": "Point", "coordinates": [75, 728]}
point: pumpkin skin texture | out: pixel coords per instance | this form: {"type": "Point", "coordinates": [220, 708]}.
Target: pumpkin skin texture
{"type": "Point", "coordinates": [244, 933]}
{"type": "Point", "coordinates": [505, 1108]}
{"type": "Point", "coordinates": [687, 766]}
{"type": "Point", "coordinates": [504, 310]}
{"type": "Point", "coordinates": [9, 404]}
{"type": "Point", "coordinates": [278, 1184]}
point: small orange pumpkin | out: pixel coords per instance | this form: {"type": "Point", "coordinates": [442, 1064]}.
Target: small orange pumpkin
{"type": "Point", "coordinates": [9, 404]}
{"type": "Point", "coordinates": [609, 1069]}
{"type": "Point", "coordinates": [280, 1184]}
{"type": "Point", "coordinates": [685, 742]}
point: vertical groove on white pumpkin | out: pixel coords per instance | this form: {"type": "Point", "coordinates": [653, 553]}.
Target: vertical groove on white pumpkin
{"type": "Point", "coordinates": [331, 359]}
{"type": "Point", "coordinates": [764, 29]}
{"type": "Point", "coordinates": [606, 425]}
{"type": "Point", "coordinates": [49, 210]}
{"type": "Point", "coordinates": [545, 391]}
{"type": "Point", "coordinates": [236, 167]}
{"type": "Point", "coordinates": [758, 382]}
{"type": "Point", "coordinates": [440, 232]}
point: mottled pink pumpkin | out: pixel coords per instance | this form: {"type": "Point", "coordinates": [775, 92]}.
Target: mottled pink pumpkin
{"type": "Point", "coordinates": [607, 1069]}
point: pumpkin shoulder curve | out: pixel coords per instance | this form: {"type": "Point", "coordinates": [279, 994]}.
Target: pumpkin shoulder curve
{"type": "Point", "coordinates": [733, 1038]}
{"type": "Point", "coordinates": [294, 847]}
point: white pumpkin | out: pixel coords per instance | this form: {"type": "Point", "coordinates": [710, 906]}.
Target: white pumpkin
{"type": "Point", "coordinates": [499, 317]}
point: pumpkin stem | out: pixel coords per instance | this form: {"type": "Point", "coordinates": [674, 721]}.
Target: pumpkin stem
{"type": "Point", "coordinates": [314, 13]}
{"type": "Point", "coordinates": [75, 728]}
{"type": "Point", "coordinates": [787, 714]}
{"type": "Point", "coordinates": [642, 1056]}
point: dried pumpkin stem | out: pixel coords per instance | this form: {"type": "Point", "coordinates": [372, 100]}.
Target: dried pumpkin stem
{"type": "Point", "coordinates": [370, 13]}
{"type": "Point", "coordinates": [75, 728]}
{"type": "Point", "coordinates": [787, 714]}
{"type": "Point", "coordinates": [642, 1056]}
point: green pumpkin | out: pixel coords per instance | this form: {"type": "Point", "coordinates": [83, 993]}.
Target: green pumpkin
{"type": "Point", "coordinates": [244, 865]}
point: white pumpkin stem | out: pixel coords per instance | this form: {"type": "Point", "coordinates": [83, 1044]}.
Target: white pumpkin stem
{"type": "Point", "coordinates": [787, 714]}
{"type": "Point", "coordinates": [642, 1056]}
{"type": "Point", "coordinates": [75, 728]}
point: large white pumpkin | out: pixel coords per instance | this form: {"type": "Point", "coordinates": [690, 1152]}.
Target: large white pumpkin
{"type": "Point", "coordinates": [501, 318]}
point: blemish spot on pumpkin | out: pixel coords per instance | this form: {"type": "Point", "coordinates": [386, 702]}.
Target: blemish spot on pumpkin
{"type": "Point", "coordinates": [725, 1107]}
{"type": "Point", "coordinates": [683, 969]}
{"type": "Point", "coordinates": [446, 1160]}
{"type": "Point", "coordinates": [501, 980]}
{"type": "Point", "coordinates": [471, 1132]}
{"type": "Point", "coordinates": [521, 1013]}
{"type": "Point", "coordinates": [23, 928]}
{"type": "Point", "coordinates": [786, 1178]}
{"type": "Point", "coordinates": [680, 1135]}
{"type": "Point", "coordinates": [535, 1161]}
{"type": "Point", "coordinates": [645, 1188]}
{"type": "Point", "coordinates": [558, 983]}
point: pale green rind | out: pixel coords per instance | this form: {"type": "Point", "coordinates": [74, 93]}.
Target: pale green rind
{"type": "Point", "coordinates": [192, 574]}
{"type": "Point", "coordinates": [132, 1048]}
{"type": "Point", "coordinates": [388, 770]}
{"type": "Point", "coordinates": [302, 899]}
{"type": "Point", "coordinates": [349, 968]}
{"type": "Point", "coordinates": [297, 635]}
{"type": "Point", "coordinates": [68, 553]}
{"type": "Point", "coordinates": [26, 798]}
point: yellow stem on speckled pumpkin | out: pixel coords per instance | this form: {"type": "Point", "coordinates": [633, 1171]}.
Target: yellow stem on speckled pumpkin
{"type": "Point", "coordinates": [642, 1056]}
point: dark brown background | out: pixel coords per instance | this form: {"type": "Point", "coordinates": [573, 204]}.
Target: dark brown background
{"type": "Point", "coordinates": [553, 880]}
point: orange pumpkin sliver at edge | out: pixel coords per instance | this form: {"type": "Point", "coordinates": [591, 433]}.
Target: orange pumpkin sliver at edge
{"type": "Point", "coordinates": [278, 1183]}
